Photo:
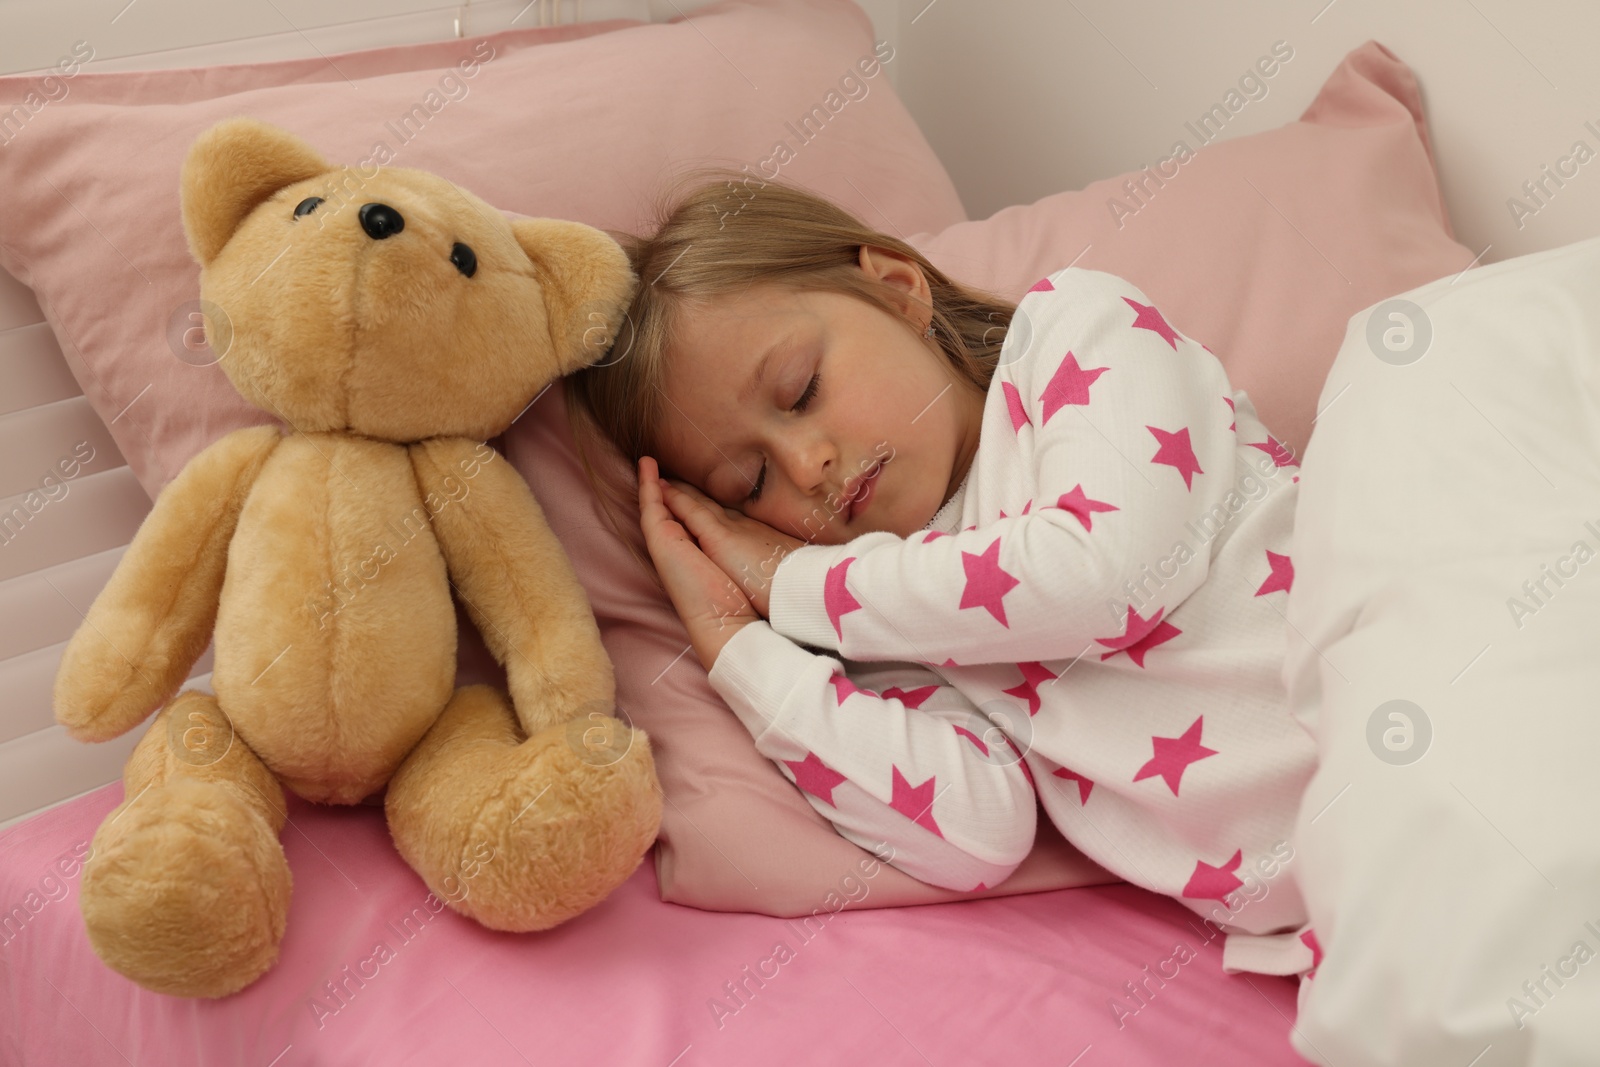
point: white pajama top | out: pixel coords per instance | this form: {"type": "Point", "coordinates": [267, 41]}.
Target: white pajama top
{"type": "Point", "coordinates": [1095, 619]}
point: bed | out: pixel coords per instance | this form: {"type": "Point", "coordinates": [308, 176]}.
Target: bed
{"type": "Point", "coordinates": [677, 967]}
{"type": "Point", "coordinates": [637, 980]}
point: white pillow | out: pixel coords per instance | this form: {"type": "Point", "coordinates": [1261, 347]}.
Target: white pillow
{"type": "Point", "coordinates": [1450, 847]}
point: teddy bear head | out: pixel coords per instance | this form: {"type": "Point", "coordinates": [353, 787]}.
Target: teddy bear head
{"type": "Point", "coordinates": [386, 301]}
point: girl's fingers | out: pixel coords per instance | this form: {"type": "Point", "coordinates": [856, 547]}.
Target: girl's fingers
{"type": "Point", "coordinates": [654, 517]}
{"type": "Point", "coordinates": [667, 536]}
{"type": "Point", "coordinates": [689, 492]}
{"type": "Point", "coordinates": [690, 509]}
{"type": "Point", "coordinates": [650, 483]}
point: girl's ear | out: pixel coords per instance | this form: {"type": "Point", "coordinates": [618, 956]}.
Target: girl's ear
{"type": "Point", "coordinates": [896, 270]}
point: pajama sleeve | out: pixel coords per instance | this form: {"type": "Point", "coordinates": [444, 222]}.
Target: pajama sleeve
{"type": "Point", "coordinates": [1123, 431]}
{"type": "Point", "coordinates": [911, 763]}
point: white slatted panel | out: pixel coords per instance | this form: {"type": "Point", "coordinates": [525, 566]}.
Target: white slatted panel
{"type": "Point", "coordinates": [31, 369]}
{"type": "Point", "coordinates": [60, 539]}
{"type": "Point", "coordinates": [98, 511]}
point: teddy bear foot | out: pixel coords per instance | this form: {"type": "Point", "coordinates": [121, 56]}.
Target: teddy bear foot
{"type": "Point", "coordinates": [186, 888]}
{"type": "Point", "coordinates": [524, 834]}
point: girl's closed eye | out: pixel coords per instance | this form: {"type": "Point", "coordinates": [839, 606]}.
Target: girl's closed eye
{"type": "Point", "coordinates": [801, 404]}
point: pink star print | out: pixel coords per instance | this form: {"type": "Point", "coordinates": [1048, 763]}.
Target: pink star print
{"type": "Point", "coordinates": [1281, 456]}
{"type": "Point", "coordinates": [987, 583]}
{"type": "Point", "coordinates": [1140, 636]}
{"type": "Point", "coordinates": [1019, 414]}
{"type": "Point", "coordinates": [1174, 754]}
{"type": "Point", "coordinates": [1214, 883]}
{"type": "Point", "coordinates": [1175, 451]}
{"type": "Point", "coordinates": [1229, 401]}
{"type": "Point", "coordinates": [1150, 319]}
{"type": "Point", "coordinates": [843, 688]}
{"type": "Point", "coordinates": [815, 777]}
{"type": "Point", "coordinates": [914, 802]}
{"type": "Point", "coordinates": [1079, 504]}
{"type": "Point", "coordinates": [977, 887]}
{"type": "Point", "coordinates": [932, 534]}
{"type": "Point", "coordinates": [911, 698]}
{"type": "Point", "coordinates": [1068, 385]}
{"type": "Point", "coordinates": [1042, 286]}
{"type": "Point", "coordinates": [1309, 939]}
{"type": "Point", "coordinates": [835, 597]}
{"type": "Point", "coordinates": [1025, 772]}
{"type": "Point", "coordinates": [1282, 576]}
{"type": "Point", "coordinates": [970, 736]}
{"type": "Point", "coordinates": [1028, 689]}
{"type": "Point", "coordinates": [1084, 785]}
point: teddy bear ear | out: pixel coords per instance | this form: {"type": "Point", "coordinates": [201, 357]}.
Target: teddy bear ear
{"type": "Point", "coordinates": [231, 168]}
{"type": "Point", "coordinates": [588, 284]}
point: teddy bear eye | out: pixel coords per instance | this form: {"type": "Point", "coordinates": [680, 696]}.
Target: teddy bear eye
{"type": "Point", "coordinates": [307, 206]}
{"type": "Point", "coordinates": [464, 258]}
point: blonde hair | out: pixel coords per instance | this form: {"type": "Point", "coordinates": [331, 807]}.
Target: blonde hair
{"type": "Point", "coordinates": [719, 238]}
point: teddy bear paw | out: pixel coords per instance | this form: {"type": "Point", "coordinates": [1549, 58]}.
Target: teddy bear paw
{"type": "Point", "coordinates": [186, 890]}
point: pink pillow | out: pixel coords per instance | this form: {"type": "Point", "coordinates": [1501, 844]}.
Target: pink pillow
{"type": "Point", "coordinates": [1263, 246]}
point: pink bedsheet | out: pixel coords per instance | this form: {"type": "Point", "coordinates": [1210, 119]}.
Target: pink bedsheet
{"type": "Point", "coordinates": [1024, 979]}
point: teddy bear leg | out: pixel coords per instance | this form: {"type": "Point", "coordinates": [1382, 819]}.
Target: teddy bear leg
{"type": "Point", "coordinates": [186, 888]}
{"type": "Point", "coordinates": [523, 834]}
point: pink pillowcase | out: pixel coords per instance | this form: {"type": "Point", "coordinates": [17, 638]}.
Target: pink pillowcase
{"type": "Point", "coordinates": [1262, 247]}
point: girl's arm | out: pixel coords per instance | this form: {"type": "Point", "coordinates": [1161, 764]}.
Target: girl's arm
{"type": "Point", "coordinates": [892, 756]}
{"type": "Point", "coordinates": [1127, 427]}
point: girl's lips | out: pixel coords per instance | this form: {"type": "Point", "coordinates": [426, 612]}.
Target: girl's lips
{"type": "Point", "coordinates": [864, 494]}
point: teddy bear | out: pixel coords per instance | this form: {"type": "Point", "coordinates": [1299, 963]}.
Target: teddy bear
{"type": "Point", "coordinates": [392, 322]}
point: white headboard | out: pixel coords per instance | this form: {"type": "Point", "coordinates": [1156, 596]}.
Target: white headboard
{"type": "Point", "coordinates": [1082, 90]}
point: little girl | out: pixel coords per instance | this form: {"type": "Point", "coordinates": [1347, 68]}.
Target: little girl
{"type": "Point", "coordinates": [946, 557]}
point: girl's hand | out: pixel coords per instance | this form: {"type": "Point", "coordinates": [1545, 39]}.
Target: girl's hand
{"type": "Point", "coordinates": [747, 550]}
{"type": "Point", "coordinates": [706, 599]}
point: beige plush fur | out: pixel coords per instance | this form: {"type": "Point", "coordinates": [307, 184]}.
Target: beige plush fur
{"type": "Point", "coordinates": [321, 558]}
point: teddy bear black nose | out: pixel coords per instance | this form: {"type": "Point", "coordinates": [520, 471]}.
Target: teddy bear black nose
{"type": "Point", "coordinates": [380, 221]}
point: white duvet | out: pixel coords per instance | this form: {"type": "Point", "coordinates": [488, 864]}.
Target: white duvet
{"type": "Point", "coordinates": [1444, 649]}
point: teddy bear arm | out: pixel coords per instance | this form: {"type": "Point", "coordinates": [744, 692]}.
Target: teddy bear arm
{"type": "Point", "coordinates": [146, 628]}
{"type": "Point", "coordinates": [517, 584]}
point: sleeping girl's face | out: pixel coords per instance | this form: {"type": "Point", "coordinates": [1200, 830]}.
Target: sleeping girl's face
{"type": "Point", "coordinates": [847, 392]}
